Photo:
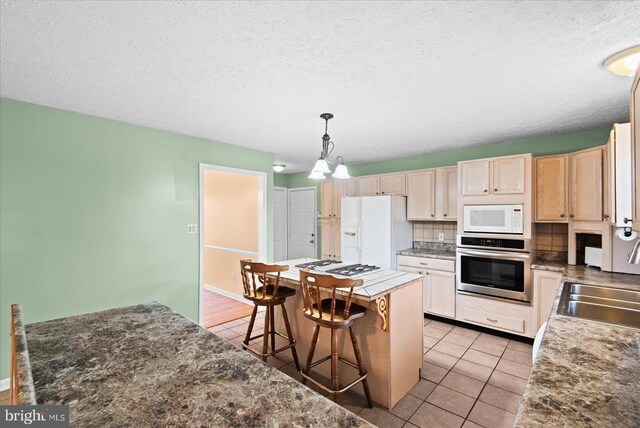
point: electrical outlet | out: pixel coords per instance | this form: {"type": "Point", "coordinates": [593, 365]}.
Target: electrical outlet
{"type": "Point", "coordinates": [192, 228]}
{"type": "Point", "coordinates": [441, 236]}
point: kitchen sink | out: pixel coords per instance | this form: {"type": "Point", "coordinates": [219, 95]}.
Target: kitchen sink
{"type": "Point", "coordinates": [598, 303]}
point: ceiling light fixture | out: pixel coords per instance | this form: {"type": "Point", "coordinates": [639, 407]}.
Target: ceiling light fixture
{"type": "Point", "coordinates": [278, 167]}
{"type": "Point", "coordinates": [322, 164]}
{"type": "Point", "coordinates": [625, 62]}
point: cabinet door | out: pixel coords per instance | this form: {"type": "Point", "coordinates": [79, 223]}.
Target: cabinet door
{"type": "Point", "coordinates": [447, 194]}
{"type": "Point", "coordinates": [440, 292]}
{"type": "Point", "coordinates": [508, 176]}
{"type": "Point", "coordinates": [552, 191]}
{"type": "Point", "coordinates": [326, 198]}
{"type": "Point", "coordinates": [336, 239]}
{"type": "Point", "coordinates": [421, 195]}
{"type": "Point", "coordinates": [352, 187]}
{"type": "Point", "coordinates": [327, 239]}
{"type": "Point", "coordinates": [368, 186]}
{"type": "Point", "coordinates": [475, 178]}
{"type": "Point", "coordinates": [586, 185]}
{"type": "Point", "coordinates": [339, 190]}
{"type": "Point", "coordinates": [393, 184]}
{"type": "Point", "coordinates": [545, 290]}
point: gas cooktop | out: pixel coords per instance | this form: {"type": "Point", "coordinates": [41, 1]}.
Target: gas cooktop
{"type": "Point", "coordinates": [317, 264]}
{"type": "Point", "coordinates": [352, 270]}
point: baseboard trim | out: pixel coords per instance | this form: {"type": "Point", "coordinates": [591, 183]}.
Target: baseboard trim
{"type": "Point", "coordinates": [226, 294]}
{"type": "Point", "coordinates": [5, 384]}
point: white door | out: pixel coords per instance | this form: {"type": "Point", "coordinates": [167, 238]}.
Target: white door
{"type": "Point", "coordinates": [302, 223]}
{"type": "Point", "coordinates": [280, 224]}
{"type": "Point", "coordinates": [375, 239]}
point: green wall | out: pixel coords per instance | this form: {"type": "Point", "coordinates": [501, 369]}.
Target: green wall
{"type": "Point", "coordinates": [93, 213]}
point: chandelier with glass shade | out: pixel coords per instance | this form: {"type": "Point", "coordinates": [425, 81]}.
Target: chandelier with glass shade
{"type": "Point", "coordinates": [322, 164]}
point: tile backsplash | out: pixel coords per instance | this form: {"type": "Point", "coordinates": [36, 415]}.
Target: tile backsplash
{"type": "Point", "coordinates": [428, 231]}
{"type": "Point", "coordinates": [551, 236]}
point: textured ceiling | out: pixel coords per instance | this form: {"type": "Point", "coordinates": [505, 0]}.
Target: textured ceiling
{"type": "Point", "coordinates": [402, 78]}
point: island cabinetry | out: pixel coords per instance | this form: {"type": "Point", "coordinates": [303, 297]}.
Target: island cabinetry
{"type": "Point", "coordinates": [439, 295]}
{"type": "Point", "coordinates": [545, 290]}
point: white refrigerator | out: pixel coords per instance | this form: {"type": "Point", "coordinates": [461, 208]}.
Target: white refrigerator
{"type": "Point", "coordinates": [373, 229]}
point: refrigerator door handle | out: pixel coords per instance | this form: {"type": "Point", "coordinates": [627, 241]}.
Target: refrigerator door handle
{"type": "Point", "coordinates": [359, 240]}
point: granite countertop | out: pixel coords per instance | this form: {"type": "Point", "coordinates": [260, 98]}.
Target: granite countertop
{"type": "Point", "coordinates": [431, 253]}
{"type": "Point", "coordinates": [145, 365]}
{"type": "Point", "coordinates": [587, 373]}
{"type": "Point", "coordinates": [376, 283]}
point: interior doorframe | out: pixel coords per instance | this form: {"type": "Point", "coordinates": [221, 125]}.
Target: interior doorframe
{"type": "Point", "coordinates": [315, 216]}
{"type": "Point", "coordinates": [262, 220]}
{"type": "Point", "coordinates": [286, 222]}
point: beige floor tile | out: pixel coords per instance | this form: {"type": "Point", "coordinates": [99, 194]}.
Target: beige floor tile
{"type": "Point", "coordinates": [290, 370]}
{"type": "Point", "coordinates": [451, 401]}
{"type": "Point", "coordinates": [434, 332]}
{"type": "Point", "coordinates": [520, 346]}
{"type": "Point", "coordinates": [489, 416]}
{"type": "Point", "coordinates": [518, 356]}
{"type": "Point", "coordinates": [422, 389]}
{"type": "Point", "coordinates": [406, 407]}
{"type": "Point", "coordinates": [481, 358]}
{"type": "Point", "coordinates": [430, 342]}
{"type": "Point", "coordinates": [235, 323]}
{"type": "Point", "coordinates": [217, 328]}
{"type": "Point", "coordinates": [459, 339]}
{"type": "Point", "coordinates": [426, 321]}
{"type": "Point", "coordinates": [433, 373]}
{"type": "Point", "coordinates": [450, 348]}
{"type": "Point", "coordinates": [441, 326]}
{"type": "Point", "coordinates": [500, 398]}
{"type": "Point", "coordinates": [513, 368]}
{"type": "Point", "coordinates": [440, 359]}
{"type": "Point", "coordinates": [509, 382]}
{"type": "Point", "coordinates": [237, 341]}
{"type": "Point", "coordinates": [381, 418]}
{"type": "Point", "coordinates": [409, 425]}
{"type": "Point", "coordinates": [463, 384]}
{"type": "Point", "coordinates": [240, 329]}
{"type": "Point", "coordinates": [277, 361]}
{"type": "Point", "coordinates": [489, 347]}
{"type": "Point", "coordinates": [352, 402]}
{"type": "Point", "coordinates": [469, 424]}
{"type": "Point", "coordinates": [473, 370]}
{"type": "Point", "coordinates": [430, 416]}
{"type": "Point", "coordinates": [486, 337]}
{"type": "Point", "coordinates": [463, 331]}
{"type": "Point", "coordinates": [227, 334]}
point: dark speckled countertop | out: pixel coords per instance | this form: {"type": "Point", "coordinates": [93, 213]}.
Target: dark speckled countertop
{"type": "Point", "coordinates": [587, 373]}
{"type": "Point", "coordinates": [432, 253]}
{"type": "Point", "coordinates": [147, 366]}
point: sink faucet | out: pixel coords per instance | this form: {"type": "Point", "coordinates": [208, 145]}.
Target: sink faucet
{"type": "Point", "coordinates": [634, 255]}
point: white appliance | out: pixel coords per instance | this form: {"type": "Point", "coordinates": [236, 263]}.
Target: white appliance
{"type": "Point", "coordinates": [374, 228]}
{"type": "Point", "coordinates": [593, 256]}
{"type": "Point", "coordinates": [493, 219]}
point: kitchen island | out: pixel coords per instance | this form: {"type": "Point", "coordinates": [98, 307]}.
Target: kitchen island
{"type": "Point", "coordinates": [389, 335]}
{"type": "Point", "coordinates": [146, 366]}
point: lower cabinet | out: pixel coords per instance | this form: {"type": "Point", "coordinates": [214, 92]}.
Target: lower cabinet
{"type": "Point", "coordinates": [499, 315]}
{"type": "Point", "coordinates": [545, 290]}
{"type": "Point", "coordinates": [330, 242]}
{"type": "Point", "coordinates": [439, 296]}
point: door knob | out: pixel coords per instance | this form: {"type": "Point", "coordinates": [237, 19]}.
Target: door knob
{"type": "Point", "coordinates": [313, 241]}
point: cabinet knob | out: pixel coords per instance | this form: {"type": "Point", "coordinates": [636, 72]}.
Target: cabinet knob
{"type": "Point", "coordinates": [485, 190]}
{"type": "Point", "coordinates": [432, 215]}
{"type": "Point", "coordinates": [445, 215]}
{"type": "Point", "coordinates": [383, 193]}
{"type": "Point", "coordinates": [495, 190]}
{"type": "Point", "coordinates": [571, 215]}
{"type": "Point", "coordinates": [492, 320]}
{"type": "Point", "coordinates": [606, 216]}
{"type": "Point", "coordinates": [562, 215]}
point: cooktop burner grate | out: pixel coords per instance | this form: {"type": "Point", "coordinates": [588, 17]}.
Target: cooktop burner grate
{"type": "Point", "coordinates": [353, 270]}
{"type": "Point", "coordinates": [317, 264]}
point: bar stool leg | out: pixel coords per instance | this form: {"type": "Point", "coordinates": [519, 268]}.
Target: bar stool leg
{"type": "Point", "coordinates": [273, 328]}
{"type": "Point", "coordinates": [287, 326]}
{"type": "Point", "coordinates": [312, 350]}
{"type": "Point", "coordinates": [334, 363]}
{"type": "Point", "coordinates": [251, 322]}
{"type": "Point", "coordinates": [265, 338]}
{"type": "Point", "coordinates": [356, 351]}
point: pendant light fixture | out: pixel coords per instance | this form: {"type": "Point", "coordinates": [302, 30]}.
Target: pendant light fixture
{"type": "Point", "coordinates": [625, 62]}
{"type": "Point", "coordinates": [322, 164]}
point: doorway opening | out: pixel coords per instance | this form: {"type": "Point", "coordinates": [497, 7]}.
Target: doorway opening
{"type": "Point", "coordinates": [233, 226]}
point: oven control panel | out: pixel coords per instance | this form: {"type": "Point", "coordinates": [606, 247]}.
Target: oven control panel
{"type": "Point", "coordinates": [513, 244]}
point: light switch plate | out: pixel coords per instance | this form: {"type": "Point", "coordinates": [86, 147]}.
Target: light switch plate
{"type": "Point", "coordinates": [441, 236]}
{"type": "Point", "coordinates": [192, 228]}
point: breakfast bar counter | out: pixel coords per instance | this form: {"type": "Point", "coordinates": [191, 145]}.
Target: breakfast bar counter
{"type": "Point", "coordinates": [389, 335]}
{"type": "Point", "coordinates": [147, 366]}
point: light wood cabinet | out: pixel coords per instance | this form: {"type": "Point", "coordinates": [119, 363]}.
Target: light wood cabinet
{"type": "Point", "coordinates": [495, 314]}
{"type": "Point", "coordinates": [508, 175]}
{"type": "Point", "coordinates": [545, 290]}
{"type": "Point", "coordinates": [475, 178]}
{"type": "Point", "coordinates": [330, 241]}
{"type": "Point", "coordinates": [440, 293]}
{"type": "Point", "coordinates": [586, 185]}
{"type": "Point", "coordinates": [552, 188]}
{"type": "Point", "coordinates": [369, 186]}
{"type": "Point", "coordinates": [447, 194]}
{"type": "Point", "coordinates": [386, 184]}
{"type": "Point", "coordinates": [331, 193]}
{"type": "Point", "coordinates": [634, 109]}
{"type": "Point", "coordinates": [421, 195]}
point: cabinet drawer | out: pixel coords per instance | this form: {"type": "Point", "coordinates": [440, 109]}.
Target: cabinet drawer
{"type": "Point", "coordinates": [493, 320]}
{"type": "Point", "coordinates": [505, 316]}
{"type": "Point", "coordinates": [427, 263]}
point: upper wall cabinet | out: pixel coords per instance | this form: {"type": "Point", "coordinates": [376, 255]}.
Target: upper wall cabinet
{"type": "Point", "coordinates": [447, 193]}
{"type": "Point", "coordinates": [552, 188]}
{"type": "Point", "coordinates": [635, 144]}
{"type": "Point", "coordinates": [387, 184]}
{"type": "Point", "coordinates": [586, 185]}
{"type": "Point", "coordinates": [421, 195]}
{"type": "Point", "coordinates": [499, 176]}
{"type": "Point", "coordinates": [331, 193]}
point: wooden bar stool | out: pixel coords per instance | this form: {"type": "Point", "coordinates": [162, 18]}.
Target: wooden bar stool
{"type": "Point", "coordinates": [332, 313]}
{"type": "Point", "coordinates": [263, 291]}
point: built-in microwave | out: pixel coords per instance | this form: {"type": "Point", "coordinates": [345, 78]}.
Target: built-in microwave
{"type": "Point", "coordinates": [493, 219]}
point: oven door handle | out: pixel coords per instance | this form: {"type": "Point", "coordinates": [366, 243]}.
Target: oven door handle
{"type": "Point", "coordinates": [495, 255]}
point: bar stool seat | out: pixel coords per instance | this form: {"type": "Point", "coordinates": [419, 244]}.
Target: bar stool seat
{"type": "Point", "coordinates": [332, 313]}
{"type": "Point", "coordinates": [266, 291]}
